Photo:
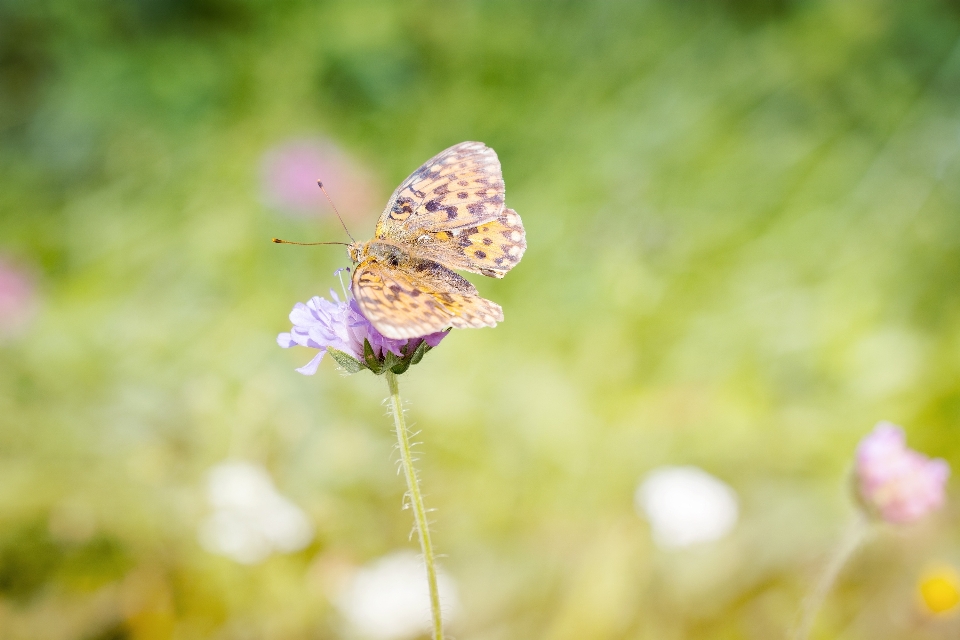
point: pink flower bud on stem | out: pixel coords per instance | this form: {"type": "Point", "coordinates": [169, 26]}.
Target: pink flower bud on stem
{"type": "Point", "coordinates": [894, 484]}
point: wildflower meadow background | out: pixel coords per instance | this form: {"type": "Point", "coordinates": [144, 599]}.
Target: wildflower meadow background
{"type": "Point", "coordinates": [743, 221]}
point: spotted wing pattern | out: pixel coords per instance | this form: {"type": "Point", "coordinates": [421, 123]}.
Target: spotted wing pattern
{"type": "Point", "coordinates": [459, 187]}
{"type": "Point", "coordinates": [416, 301]}
{"type": "Point", "coordinates": [490, 248]}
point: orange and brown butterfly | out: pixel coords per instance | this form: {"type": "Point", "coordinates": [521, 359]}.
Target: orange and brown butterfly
{"type": "Point", "coordinates": [449, 214]}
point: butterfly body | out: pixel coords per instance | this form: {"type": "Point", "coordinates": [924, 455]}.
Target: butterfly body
{"type": "Point", "coordinates": [448, 214]}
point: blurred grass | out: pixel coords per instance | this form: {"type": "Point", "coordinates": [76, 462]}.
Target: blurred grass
{"type": "Point", "coordinates": [743, 231]}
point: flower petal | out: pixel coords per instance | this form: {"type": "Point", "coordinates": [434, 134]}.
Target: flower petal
{"type": "Point", "coordinates": [434, 339]}
{"type": "Point", "coordinates": [301, 315]}
{"type": "Point", "coordinates": [311, 367]}
{"type": "Point", "coordinates": [898, 484]}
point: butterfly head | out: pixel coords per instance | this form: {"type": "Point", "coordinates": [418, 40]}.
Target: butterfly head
{"type": "Point", "coordinates": [356, 251]}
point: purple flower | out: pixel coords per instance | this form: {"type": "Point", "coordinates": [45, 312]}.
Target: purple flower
{"type": "Point", "coordinates": [898, 484]}
{"type": "Point", "coordinates": [290, 172]}
{"type": "Point", "coordinates": [322, 323]}
{"type": "Point", "coordinates": [18, 300]}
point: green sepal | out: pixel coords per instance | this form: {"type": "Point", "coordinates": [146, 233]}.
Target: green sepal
{"type": "Point", "coordinates": [346, 361]}
{"type": "Point", "coordinates": [371, 358]}
{"type": "Point", "coordinates": [402, 367]}
{"type": "Point", "coordinates": [419, 352]}
{"type": "Point", "coordinates": [390, 360]}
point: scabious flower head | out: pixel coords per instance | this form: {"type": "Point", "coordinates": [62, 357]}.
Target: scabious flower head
{"type": "Point", "coordinates": [339, 327]}
{"type": "Point", "coordinates": [894, 482]}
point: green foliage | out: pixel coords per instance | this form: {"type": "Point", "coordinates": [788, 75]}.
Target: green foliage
{"type": "Point", "coordinates": [28, 559]}
{"type": "Point", "coordinates": [744, 250]}
{"type": "Point", "coordinates": [31, 560]}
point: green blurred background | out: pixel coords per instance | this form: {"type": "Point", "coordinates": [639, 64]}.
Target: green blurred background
{"type": "Point", "coordinates": [744, 250]}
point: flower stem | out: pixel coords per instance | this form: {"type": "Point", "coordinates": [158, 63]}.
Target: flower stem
{"type": "Point", "coordinates": [854, 534]}
{"type": "Point", "coordinates": [416, 500]}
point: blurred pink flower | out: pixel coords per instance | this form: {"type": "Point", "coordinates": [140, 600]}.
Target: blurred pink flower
{"type": "Point", "coordinates": [898, 484]}
{"type": "Point", "coordinates": [18, 299]}
{"type": "Point", "coordinates": [289, 180]}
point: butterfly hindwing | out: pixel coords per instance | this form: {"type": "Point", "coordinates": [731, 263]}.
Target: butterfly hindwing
{"type": "Point", "coordinates": [459, 187]}
{"type": "Point", "coordinates": [490, 248]}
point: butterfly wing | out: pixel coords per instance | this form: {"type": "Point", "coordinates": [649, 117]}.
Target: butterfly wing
{"type": "Point", "coordinates": [490, 248]}
{"type": "Point", "coordinates": [459, 187]}
{"type": "Point", "coordinates": [422, 298]}
{"type": "Point", "coordinates": [451, 211]}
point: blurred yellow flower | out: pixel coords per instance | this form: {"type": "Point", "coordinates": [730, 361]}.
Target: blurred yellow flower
{"type": "Point", "coordinates": [940, 590]}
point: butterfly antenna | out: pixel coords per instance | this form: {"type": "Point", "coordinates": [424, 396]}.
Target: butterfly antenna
{"type": "Point", "coordinates": [306, 244]}
{"type": "Point", "coordinates": [342, 223]}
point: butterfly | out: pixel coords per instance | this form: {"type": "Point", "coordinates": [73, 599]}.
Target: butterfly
{"type": "Point", "coordinates": [447, 215]}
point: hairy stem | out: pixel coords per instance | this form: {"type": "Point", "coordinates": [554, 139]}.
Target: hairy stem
{"type": "Point", "coordinates": [854, 534]}
{"type": "Point", "coordinates": [416, 500]}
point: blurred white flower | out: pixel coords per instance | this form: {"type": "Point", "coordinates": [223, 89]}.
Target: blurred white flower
{"type": "Point", "coordinates": [388, 599]}
{"type": "Point", "coordinates": [250, 519]}
{"type": "Point", "coordinates": [686, 505]}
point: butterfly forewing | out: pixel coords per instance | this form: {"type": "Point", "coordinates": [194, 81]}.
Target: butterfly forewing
{"type": "Point", "coordinates": [459, 187]}
{"type": "Point", "coordinates": [419, 300]}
